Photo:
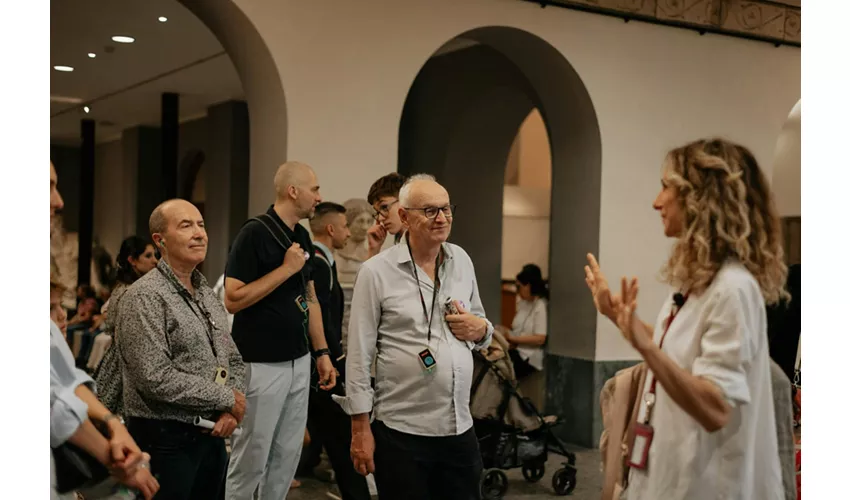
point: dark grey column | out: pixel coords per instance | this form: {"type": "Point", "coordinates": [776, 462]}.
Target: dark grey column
{"type": "Point", "coordinates": [170, 128]}
{"type": "Point", "coordinates": [142, 155]}
{"type": "Point", "coordinates": [226, 172]}
{"type": "Point", "coordinates": [86, 208]}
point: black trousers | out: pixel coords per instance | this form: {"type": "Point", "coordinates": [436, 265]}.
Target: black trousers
{"type": "Point", "coordinates": [189, 464]}
{"type": "Point", "coordinates": [330, 427]}
{"type": "Point", "coordinates": [409, 467]}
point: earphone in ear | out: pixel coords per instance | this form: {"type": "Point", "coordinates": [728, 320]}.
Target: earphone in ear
{"type": "Point", "coordinates": [162, 243]}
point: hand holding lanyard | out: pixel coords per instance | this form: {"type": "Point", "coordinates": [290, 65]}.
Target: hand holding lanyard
{"type": "Point", "coordinates": [644, 432]}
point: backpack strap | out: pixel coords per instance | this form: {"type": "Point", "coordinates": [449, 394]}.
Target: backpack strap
{"type": "Point", "coordinates": [324, 259]}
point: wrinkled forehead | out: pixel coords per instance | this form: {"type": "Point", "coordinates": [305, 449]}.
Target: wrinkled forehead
{"type": "Point", "coordinates": [181, 212]}
{"type": "Point", "coordinates": [428, 194]}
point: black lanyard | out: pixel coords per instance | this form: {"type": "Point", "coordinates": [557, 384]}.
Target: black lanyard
{"type": "Point", "coordinates": [187, 297]}
{"type": "Point", "coordinates": [428, 318]}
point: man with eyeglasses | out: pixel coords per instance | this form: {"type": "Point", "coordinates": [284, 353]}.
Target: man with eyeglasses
{"type": "Point", "coordinates": [383, 196]}
{"type": "Point", "coordinates": [421, 444]}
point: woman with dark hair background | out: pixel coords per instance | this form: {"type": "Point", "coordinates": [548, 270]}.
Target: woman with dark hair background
{"type": "Point", "coordinates": [528, 330]}
{"type": "Point", "coordinates": [136, 257]}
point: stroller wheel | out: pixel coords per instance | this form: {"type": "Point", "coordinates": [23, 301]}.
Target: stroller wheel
{"type": "Point", "coordinates": [533, 472]}
{"type": "Point", "coordinates": [564, 481]}
{"type": "Point", "coordinates": [494, 484]}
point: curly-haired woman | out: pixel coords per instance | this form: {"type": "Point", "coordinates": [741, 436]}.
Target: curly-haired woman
{"type": "Point", "coordinates": [706, 427]}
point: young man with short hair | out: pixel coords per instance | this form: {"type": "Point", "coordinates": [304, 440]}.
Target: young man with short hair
{"type": "Point", "coordinates": [383, 196]}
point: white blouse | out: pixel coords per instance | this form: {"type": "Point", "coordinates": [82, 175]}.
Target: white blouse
{"type": "Point", "coordinates": [720, 335]}
{"type": "Point", "coordinates": [530, 319]}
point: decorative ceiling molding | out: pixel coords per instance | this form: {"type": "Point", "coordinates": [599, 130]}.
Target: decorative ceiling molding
{"type": "Point", "coordinates": [774, 21]}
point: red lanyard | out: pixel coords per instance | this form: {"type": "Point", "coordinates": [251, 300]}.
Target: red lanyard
{"type": "Point", "coordinates": [649, 397]}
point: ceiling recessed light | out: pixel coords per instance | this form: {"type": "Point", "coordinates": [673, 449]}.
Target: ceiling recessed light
{"type": "Point", "coordinates": [67, 69]}
{"type": "Point", "coordinates": [86, 109]}
{"type": "Point", "coordinates": [162, 19]}
{"type": "Point", "coordinates": [123, 39]}
{"type": "Point", "coordinates": [92, 55]}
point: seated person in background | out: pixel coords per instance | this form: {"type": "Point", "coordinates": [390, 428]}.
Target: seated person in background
{"type": "Point", "coordinates": [81, 322]}
{"type": "Point", "coordinates": [528, 331]}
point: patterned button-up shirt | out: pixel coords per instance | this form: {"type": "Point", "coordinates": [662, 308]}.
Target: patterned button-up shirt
{"type": "Point", "coordinates": [171, 344]}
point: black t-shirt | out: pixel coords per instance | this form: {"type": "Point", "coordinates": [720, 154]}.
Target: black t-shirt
{"type": "Point", "coordinates": [274, 329]}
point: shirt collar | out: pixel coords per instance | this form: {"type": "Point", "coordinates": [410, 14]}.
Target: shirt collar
{"type": "Point", "coordinates": [271, 213]}
{"type": "Point", "coordinates": [404, 252]}
{"type": "Point", "coordinates": [198, 279]}
{"type": "Point", "coordinates": [325, 250]}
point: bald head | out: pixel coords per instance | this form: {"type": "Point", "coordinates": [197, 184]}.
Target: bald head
{"type": "Point", "coordinates": [419, 189]}
{"type": "Point", "coordinates": [165, 212]}
{"type": "Point", "coordinates": [177, 228]}
{"type": "Point", "coordinates": [297, 190]}
{"type": "Point", "coordinates": [292, 174]}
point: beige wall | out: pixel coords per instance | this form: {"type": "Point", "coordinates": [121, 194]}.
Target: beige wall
{"type": "Point", "coordinates": [526, 206]}
{"type": "Point", "coordinates": [346, 68]}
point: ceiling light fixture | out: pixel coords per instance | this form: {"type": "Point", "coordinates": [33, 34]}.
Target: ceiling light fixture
{"type": "Point", "coordinates": [123, 39]}
{"type": "Point", "coordinates": [163, 19]}
{"type": "Point", "coordinates": [86, 109]}
{"type": "Point", "coordinates": [66, 69]}
{"type": "Point", "coordinates": [92, 55]}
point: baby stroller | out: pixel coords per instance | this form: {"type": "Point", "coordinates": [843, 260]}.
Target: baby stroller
{"type": "Point", "coordinates": [511, 432]}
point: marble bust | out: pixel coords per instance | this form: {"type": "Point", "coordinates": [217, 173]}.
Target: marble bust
{"type": "Point", "coordinates": [358, 212]}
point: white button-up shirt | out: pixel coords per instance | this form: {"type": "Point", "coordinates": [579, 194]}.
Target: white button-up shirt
{"type": "Point", "coordinates": [720, 335]}
{"type": "Point", "coordinates": [388, 325]}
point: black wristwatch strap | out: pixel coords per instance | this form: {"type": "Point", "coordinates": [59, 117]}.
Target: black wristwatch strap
{"type": "Point", "coordinates": [321, 352]}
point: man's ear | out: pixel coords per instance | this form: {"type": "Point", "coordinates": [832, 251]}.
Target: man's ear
{"type": "Point", "coordinates": [403, 216]}
{"type": "Point", "coordinates": [292, 191]}
{"type": "Point", "coordinates": [330, 229]}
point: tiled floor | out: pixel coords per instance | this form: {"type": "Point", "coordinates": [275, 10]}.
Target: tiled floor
{"type": "Point", "coordinates": [588, 484]}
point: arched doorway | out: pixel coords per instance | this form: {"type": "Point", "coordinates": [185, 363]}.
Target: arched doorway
{"type": "Point", "coordinates": [263, 92]}
{"type": "Point", "coordinates": [459, 121]}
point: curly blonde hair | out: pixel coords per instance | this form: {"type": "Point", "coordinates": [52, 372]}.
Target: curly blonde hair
{"type": "Point", "coordinates": [729, 212]}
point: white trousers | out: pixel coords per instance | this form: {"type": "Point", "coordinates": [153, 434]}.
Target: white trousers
{"type": "Point", "coordinates": [267, 452]}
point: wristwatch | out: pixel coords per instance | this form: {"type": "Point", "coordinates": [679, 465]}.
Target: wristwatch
{"type": "Point", "coordinates": [318, 353]}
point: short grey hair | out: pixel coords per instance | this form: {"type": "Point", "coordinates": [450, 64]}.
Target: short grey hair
{"type": "Point", "coordinates": [404, 192]}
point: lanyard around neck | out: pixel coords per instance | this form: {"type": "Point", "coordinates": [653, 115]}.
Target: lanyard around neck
{"type": "Point", "coordinates": [428, 317]}
{"type": "Point", "coordinates": [189, 300]}
{"type": "Point", "coordinates": [649, 397]}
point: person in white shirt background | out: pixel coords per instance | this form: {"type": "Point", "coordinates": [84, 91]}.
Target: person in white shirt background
{"type": "Point", "coordinates": [528, 330]}
{"type": "Point", "coordinates": [706, 429]}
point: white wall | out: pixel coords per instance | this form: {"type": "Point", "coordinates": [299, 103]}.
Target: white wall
{"type": "Point", "coordinates": [114, 197]}
{"type": "Point", "coordinates": [525, 230]}
{"type": "Point", "coordinates": [346, 69]}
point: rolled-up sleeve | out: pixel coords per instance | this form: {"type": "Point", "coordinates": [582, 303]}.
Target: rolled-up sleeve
{"type": "Point", "coordinates": [67, 411]}
{"type": "Point", "coordinates": [725, 345]}
{"type": "Point", "coordinates": [362, 343]}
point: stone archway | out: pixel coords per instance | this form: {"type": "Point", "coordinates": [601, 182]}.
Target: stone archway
{"type": "Point", "coordinates": [459, 120]}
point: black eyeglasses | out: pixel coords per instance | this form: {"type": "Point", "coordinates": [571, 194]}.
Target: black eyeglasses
{"type": "Point", "coordinates": [384, 210]}
{"type": "Point", "coordinates": [432, 212]}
